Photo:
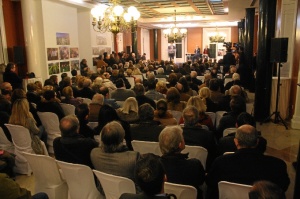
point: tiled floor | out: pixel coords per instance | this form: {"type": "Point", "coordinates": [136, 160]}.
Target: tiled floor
{"type": "Point", "coordinates": [282, 143]}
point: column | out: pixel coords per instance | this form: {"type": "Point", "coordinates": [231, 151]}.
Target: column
{"type": "Point", "coordinates": [34, 36]}
{"type": "Point", "coordinates": [249, 32]}
{"type": "Point", "coordinates": [295, 123]}
{"type": "Point", "coordinates": [134, 42]}
{"type": "Point", "coordinates": [266, 31]}
{"type": "Point", "coordinates": [241, 30]}
{"type": "Point", "coordinates": [155, 39]}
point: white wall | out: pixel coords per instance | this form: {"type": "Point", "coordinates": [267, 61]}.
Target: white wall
{"type": "Point", "coordinates": [145, 43]}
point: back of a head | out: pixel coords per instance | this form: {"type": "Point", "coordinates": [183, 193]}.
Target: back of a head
{"type": "Point", "coordinates": [87, 83]}
{"type": "Point", "coordinates": [198, 103]}
{"type": "Point", "coordinates": [235, 76]}
{"type": "Point", "coordinates": [103, 90]}
{"type": "Point", "coordinates": [74, 72]}
{"type": "Point", "coordinates": [246, 136]}
{"type": "Point", "coordinates": [235, 90]}
{"type": "Point", "coordinates": [214, 84]}
{"type": "Point", "coordinates": [204, 92]}
{"type": "Point", "coordinates": [106, 114]}
{"type": "Point", "coordinates": [149, 174]}
{"type": "Point", "coordinates": [120, 83]}
{"type": "Point", "coordinates": [151, 84]}
{"type": "Point", "coordinates": [162, 107]}
{"type": "Point", "coordinates": [173, 95]}
{"type": "Point", "coordinates": [69, 125]}
{"type": "Point", "coordinates": [17, 94]}
{"type": "Point", "coordinates": [67, 92]}
{"type": "Point", "coordinates": [169, 139]}
{"type": "Point", "coordinates": [238, 104]}
{"type": "Point", "coordinates": [112, 136]}
{"type": "Point", "coordinates": [82, 111]}
{"type": "Point", "coordinates": [98, 98]}
{"type": "Point", "coordinates": [49, 94]}
{"type": "Point", "coordinates": [190, 116]}
{"type": "Point", "coordinates": [146, 112]}
{"type": "Point", "coordinates": [266, 190]}
{"type": "Point", "coordinates": [31, 87]}
{"type": "Point", "coordinates": [245, 118]}
{"type": "Point", "coordinates": [160, 71]}
{"type": "Point", "coordinates": [139, 89]}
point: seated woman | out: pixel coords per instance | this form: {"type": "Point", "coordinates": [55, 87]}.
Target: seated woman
{"type": "Point", "coordinates": [129, 112]}
{"type": "Point", "coordinates": [162, 114]}
{"type": "Point", "coordinates": [204, 94]}
{"type": "Point", "coordinates": [113, 156]}
{"type": "Point", "coordinates": [108, 114]}
{"type": "Point", "coordinates": [204, 119]}
{"type": "Point", "coordinates": [20, 115]}
{"type": "Point", "coordinates": [69, 97]}
{"type": "Point", "coordinates": [173, 99]}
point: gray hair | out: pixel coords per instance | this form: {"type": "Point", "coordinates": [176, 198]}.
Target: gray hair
{"type": "Point", "coordinates": [190, 116]}
{"type": "Point", "coordinates": [112, 136]}
{"type": "Point", "coordinates": [246, 136]}
{"type": "Point", "coordinates": [98, 98]}
{"type": "Point", "coordinates": [169, 139]}
{"type": "Point", "coordinates": [69, 125]}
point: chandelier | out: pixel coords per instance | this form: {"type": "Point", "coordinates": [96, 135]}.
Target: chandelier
{"type": "Point", "coordinates": [113, 19]}
{"type": "Point", "coordinates": [174, 33]}
{"type": "Point", "coordinates": [216, 37]}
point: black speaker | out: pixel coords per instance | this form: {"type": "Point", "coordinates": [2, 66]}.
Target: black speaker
{"type": "Point", "coordinates": [128, 49]}
{"type": "Point", "coordinates": [18, 54]}
{"type": "Point", "coordinates": [279, 48]}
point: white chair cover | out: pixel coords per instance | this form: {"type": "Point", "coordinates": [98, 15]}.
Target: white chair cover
{"type": "Point", "coordinates": [114, 186]}
{"type": "Point", "coordinates": [22, 142]}
{"type": "Point", "coordinates": [47, 176]}
{"type": "Point", "coordinates": [51, 124]}
{"type": "Point", "coordinates": [219, 115]}
{"type": "Point", "coordinates": [197, 152]}
{"type": "Point", "coordinates": [228, 131]}
{"type": "Point", "coordinates": [86, 100]}
{"type": "Point", "coordinates": [146, 147]}
{"type": "Point", "coordinates": [226, 80]}
{"type": "Point", "coordinates": [68, 109]}
{"type": "Point", "coordinates": [80, 180]}
{"type": "Point", "coordinates": [212, 115]}
{"type": "Point", "coordinates": [233, 190]}
{"type": "Point", "coordinates": [201, 78]}
{"type": "Point", "coordinates": [5, 144]}
{"type": "Point", "coordinates": [176, 114]}
{"type": "Point", "coordinates": [92, 124]}
{"type": "Point", "coordinates": [181, 191]}
{"type": "Point", "coordinates": [131, 81]}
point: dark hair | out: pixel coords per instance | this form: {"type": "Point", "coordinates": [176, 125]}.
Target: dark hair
{"type": "Point", "coordinates": [173, 95]}
{"type": "Point", "coordinates": [17, 94]}
{"type": "Point", "coordinates": [139, 89]}
{"type": "Point", "coordinates": [9, 66]}
{"type": "Point", "coordinates": [49, 94]}
{"type": "Point", "coordinates": [214, 84]}
{"type": "Point", "coordinates": [106, 114]}
{"type": "Point", "coordinates": [120, 83]}
{"type": "Point", "coordinates": [31, 87]}
{"type": "Point", "coordinates": [81, 111]}
{"type": "Point", "coordinates": [149, 174]}
{"type": "Point", "coordinates": [49, 82]}
{"type": "Point", "coordinates": [245, 118]}
{"type": "Point", "coordinates": [151, 84]}
{"type": "Point", "coordinates": [162, 107]}
{"type": "Point", "coordinates": [103, 90]}
{"type": "Point", "coordinates": [185, 84]}
{"type": "Point", "coordinates": [63, 75]}
{"type": "Point", "coordinates": [238, 104]}
{"type": "Point", "coordinates": [74, 72]}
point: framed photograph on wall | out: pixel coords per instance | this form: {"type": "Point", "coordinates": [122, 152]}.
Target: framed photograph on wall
{"type": "Point", "coordinates": [62, 38]}
{"type": "Point", "coordinates": [53, 68]}
{"type": "Point", "coordinates": [96, 50]}
{"type": "Point", "coordinates": [64, 52]}
{"type": "Point", "coordinates": [64, 66]}
{"type": "Point", "coordinates": [74, 53]}
{"type": "Point", "coordinates": [75, 65]}
{"type": "Point", "coordinates": [52, 54]}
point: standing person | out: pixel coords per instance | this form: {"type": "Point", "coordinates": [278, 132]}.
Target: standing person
{"type": "Point", "coordinates": [206, 51]}
{"type": "Point", "coordinates": [171, 51]}
{"type": "Point", "coordinates": [228, 60]}
{"type": "Point", "coordinates": [84, 69]}
{"type": "Point", "coordinates": [197, 53]}
{"type": "Point", "coordinates": [20, 115]}
{"type": "Point", "coordinates": [11, 76]}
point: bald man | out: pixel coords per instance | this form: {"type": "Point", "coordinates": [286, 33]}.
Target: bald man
{"type": "Point", "coordinates": [246, 165]}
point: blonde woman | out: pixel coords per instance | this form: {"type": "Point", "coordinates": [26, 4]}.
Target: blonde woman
{"type": "Point", "coordinates": [204, 94]}
{"type": "Point", "coordinates": [20, 115]}
{"type": "Point", "coordinates": [204, 119]}
{"type": "Point", "coordinates": [129, 112]}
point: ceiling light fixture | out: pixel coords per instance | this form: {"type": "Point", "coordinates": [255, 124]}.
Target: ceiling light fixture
{"type": "Point", "coordinates": [174, 34]}
{"type": "Point", "coordinates": [113, 19]}
{"type": "Point", "coordinates": [217, 37]}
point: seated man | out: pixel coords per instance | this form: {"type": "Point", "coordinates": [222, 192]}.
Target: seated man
{"type": "Point", "coordinates": [246, 165]}
{"type": "Point", "coordinates": [121, 93]}
{"type": "Point", "coordinates": [179, 168]}
{"type": "Point", "coordinates": [150, 176]}
{"type": "Point", "coordinates": [152, 93]}
{"type": "Point", "coordinates": [141, 98]}
{"type": "Point", "coordinates": [73, 147]}
{"type": "Point", "coordinates": [226, 144]}
{"type": "Point", "coordinates": [105, 92]}
{"type": "Point", "coordinates": [82, 113]}
{"type": "Point", "coordinates": [86, 91]}
{"type": "Point", "coordinates": [146, 129]}
{"type": "Point", "coordinates": [195, 135]}
{"type": "Point", "coordinates": [97, 103]}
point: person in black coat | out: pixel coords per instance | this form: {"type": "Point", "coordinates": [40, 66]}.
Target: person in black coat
{"type": "Point", "coordinates": [246, 165]}
{"type": "Point", "coordinates": [141, 98]}
{"type": "Point", "coordinates": [73, 147]}
{"type": "Point", "coordinates": [82, 113]}
{"type": "Point", "coordinates": [11, 76]}
{"type": "Point", "coordinates": [228, 60]}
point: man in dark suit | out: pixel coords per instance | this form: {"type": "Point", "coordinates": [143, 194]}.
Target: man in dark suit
{"type": "Point", "coordinates": [150, 176]}
{"type": "Point", "coordinates": [195, 135]}
{"type": "Point", "coordinates": [121, 93]}
{"type": "Point", "coordinates": [228, 60]}
{"type": "Point", "coordinates": [246, 165]}
{"type": "Point", "coordinates": [105, 92]}
{"type": "Point", "coordinates": [197, 54]}
{"type": "Point", "coordinates": [141, 98]}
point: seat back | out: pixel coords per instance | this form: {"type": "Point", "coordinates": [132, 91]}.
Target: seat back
{"type": "Point", "coordinates": [228, 131]}
{"type": "Point", "coordinates": [114, 186]}
{"type": "Point", "coordinates": [47, 176]}
{"type": "Point", "coordinates": [212, 115]}
{"type": "Point", "coordinates": [68, 109]}
{"type": "Point", "coordinates": [197, 152]}
{"type": "Point", "coordinates": [233, 190]}
{"type": "Point", "coordinates": [86, 100]}
{"type": "Point", "coordinates": [92, 124]}
{"type": "Point", "coordinates": [181, 191]}
{"type": "Point", "coordinates": [80, 180]}
{"type": "Point", "coordinates": [176, 114]}
{"type": "Point", "coordinates": [161, 79]}
{"type": "Point", "coordinates": [5, 144]}
{"type": "Point", "coordinates": [219, 115]}
{"type": "Point", "coordinates": [146, 147]}
{"type": "Point", "coordinates": [201, 78]}
{"type": "Point", "coordinates": [226, 80]}
{"type": "Point", "coordinates": [131, 81]}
